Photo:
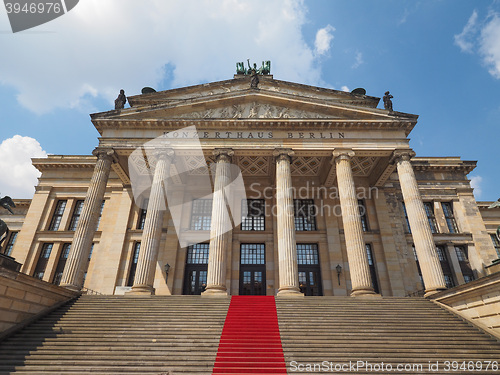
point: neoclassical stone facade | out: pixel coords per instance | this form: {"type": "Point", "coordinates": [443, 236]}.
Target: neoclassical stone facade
{"type": "Point", "coordinates": [335, 202]}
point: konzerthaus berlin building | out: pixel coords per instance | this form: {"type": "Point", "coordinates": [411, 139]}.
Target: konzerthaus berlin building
{"type": "Point", "coordinates": [238, 187]}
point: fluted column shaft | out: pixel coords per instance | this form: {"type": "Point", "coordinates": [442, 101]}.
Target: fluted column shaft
{"type": "Point", "coordinates": [420, 230]}
{"type": "Point", "coordinates": [219, 233]}
{"type": "Point", "coordinates": [72, 277]}
{"type": "Point", "coordinates": [151, 235]}
{"type": "Point", "coordinates": [353, 230]}
{"type": "Point", "coordinates": [287, 248]}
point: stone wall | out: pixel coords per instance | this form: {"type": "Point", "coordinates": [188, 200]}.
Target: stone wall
{"type": "Point", "coordinates": [477, 302]}
{"type": "Point", "coordinates": [22, 297]}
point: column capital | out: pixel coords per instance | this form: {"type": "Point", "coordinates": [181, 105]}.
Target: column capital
{"type": "Point", "coordinates": [104, 153]}
{"type": "Point", "coordinates": [223, 154]}
{"type": "Point", "coordinates": [399, 155]}
{"type": "Point", "coordinates": [161, 153]}
{"type": "Point", "coordinates": [342, 154]}
{"type": "Point", "coordinates": [283, 153]}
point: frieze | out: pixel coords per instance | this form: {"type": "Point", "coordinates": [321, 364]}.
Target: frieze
{"type": "Point", "coordinates": [255, 135]}
{"type": "Point", "coordinates": [253, 110]}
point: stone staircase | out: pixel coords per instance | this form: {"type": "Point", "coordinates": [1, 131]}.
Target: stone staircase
{"type": "Point", "coordinates": [394, 331]}
{"type": "Point", "coordinates": [180, 335]}
{"type": "Point", "coordinates": [120, 335]}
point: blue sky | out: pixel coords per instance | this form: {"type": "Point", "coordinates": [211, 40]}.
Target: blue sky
{"type": "Point", "coordinates": [440, 60]}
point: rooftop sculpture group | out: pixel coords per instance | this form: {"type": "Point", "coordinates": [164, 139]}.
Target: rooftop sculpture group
{"type": "Point", "coordinates": [265, 69]}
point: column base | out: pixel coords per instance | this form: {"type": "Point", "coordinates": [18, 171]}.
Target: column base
{"type": "Point", "coordinates": [364, 292]}
{"type": "Point", "coordinates": [215, 291]}
{"type": "Point", "coordinates": [141, 290]}
{"type": "Point", "coordinates": [430, 292]}
{"type": "Point", "coordinates": [289, 292]}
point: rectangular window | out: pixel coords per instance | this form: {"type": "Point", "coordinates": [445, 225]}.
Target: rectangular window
{"type": "Point", "coordinates": [76, 215]}
{"type": "Point", "coordinates": [142, 215]}
{"type": "Point", "coordinates": [307, 254]}
{"type": "Point", "coordinates": [418, 265]}
{"type": "Point", "coordinates": [448, 215]}
{"type": "Point", "coordinates": [100, 215]}
{"type": "Point", "coordinates": [198, 253]}
{"type": "Point", "coordinates": [201, 214]}
{"type": "Point", "coordinates": [58, 213]}
{"type": "Point", "coordinates": [195, 273]}
{"type": "Point", "coordinates": [371, 264]}
{"type": "Point", "coordinates": [463, 260]}
{"type": "Point", "coordinates": [61, 263]}
{"type": "Point", "coordinates": [133, 264]}
{"type": "Point", "coordinates": [445, 266]}
{"type": "Point", "coordinates": [305, 214]}
{"type": "Point", "coordinates": [10, 243]}
{"type": "Point", "coordinates": [88, 263]}
{"type": "Point", "coordinates": [362, 215]}
{"type": "Point", "coordinates": [43, 260]}
{"type": "Point", "coordinates": [496, 243]}
{"type": "Point", "coordinates": [408, 229]}
{"type": "Point", "coordinates": [429, 210]}
{"type": "Point", "coordinates": [252, 214]}
{"type": "Point", "coordinates": [309, 270]}
{"type": "Point", "coordinates": [252, 253]}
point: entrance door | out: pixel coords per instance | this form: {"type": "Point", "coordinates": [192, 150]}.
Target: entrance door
{"type": "Point", "coordinates": [252, 269]}
{"type": "Point", "coordinates": [195, 273]}
{"type": "Point", "coordinates": [309, 270]}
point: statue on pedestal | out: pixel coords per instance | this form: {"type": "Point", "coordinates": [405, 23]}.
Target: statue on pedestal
{"type": "Point", "coordinates": [387, 101]}
{"type": "Point", "coordinates": [121, 100]}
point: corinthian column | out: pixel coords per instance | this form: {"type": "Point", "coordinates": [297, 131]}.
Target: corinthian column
{"type": "Point", "coordinates": [72, 277]}
{"type": "Point", "coordinates": [151, 235]}
{"type": "Point", "coordinates": [287, 248]}
{"type": "Point", "coordinates": [220, 226]}
{"type": "Point", "coordinates": [420, 230]}
{"type": "Point", "coordinates": [353, 230]}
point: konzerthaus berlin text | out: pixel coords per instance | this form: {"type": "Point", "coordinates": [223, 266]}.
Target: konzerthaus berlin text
{"type": "Point", "coordinates": [244, 187]}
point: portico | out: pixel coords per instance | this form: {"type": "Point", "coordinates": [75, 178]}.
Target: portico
{"type": "Point", "coordinates": [284, 189]}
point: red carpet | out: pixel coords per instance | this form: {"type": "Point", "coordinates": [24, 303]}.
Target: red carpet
{"type": "Point", "coordinates": [250, 341]}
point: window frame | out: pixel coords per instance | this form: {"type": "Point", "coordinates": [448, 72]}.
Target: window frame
{"type": "Point", "coordinates": [136, 249]}
{"type": "Point", "coordinates": [363, 216]}
{"type": "Point", "coordinates": [75, 217]}
{"type": "Point", "coordinates": [304, 222]}
{"type": "Point", "coordinates": [449, 217]}
{"type": "Point", "coordinates": [9, 244]}
{"type": "Point", "coordinates": [43, 260]}
{"type": "Point", "coordinates": [257, 222]}
{"type": "Point", "coordinates": [431, 217]}
{"type": "Point", "coordinates": [55, 221]}
{"type": "Point", "coordinates": [205, 214]}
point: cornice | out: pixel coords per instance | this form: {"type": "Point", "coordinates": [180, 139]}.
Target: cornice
{"type": "Point", "coordinates": [257, 124]}
{"type": "Point", "coordinates": [64, 162]}
{"type": "Point", "coordinates": [443, 164]}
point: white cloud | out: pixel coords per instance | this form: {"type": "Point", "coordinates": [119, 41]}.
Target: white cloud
{"type": "Point", "coordinates": [464, 39]}
{"type": "Point", "coordinates": [490, 45]}
{"type": "Point", "coordinates": [19, 176]}
{"type": "Point", "coordinates": [359, 60]}
{"type": "Point", "coordinates": [475, 183]}
{"type": "Point", "coordinates": [345, 88]}
{"type": "Point", "coordinates": [100, 47]}
{"type": "Point", "coordinates": [324, 39]}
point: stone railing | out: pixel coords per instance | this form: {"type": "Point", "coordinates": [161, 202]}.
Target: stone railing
{"type": "Point", "coordinates": [478, 302]}
{"type": "Point", "coordinates": [23, 298]}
